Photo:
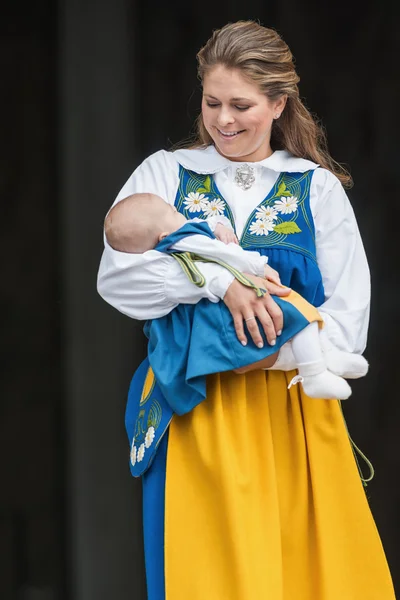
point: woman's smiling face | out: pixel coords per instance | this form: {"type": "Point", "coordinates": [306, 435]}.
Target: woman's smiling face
{"type": "Point", "coordinates": [237, 115]}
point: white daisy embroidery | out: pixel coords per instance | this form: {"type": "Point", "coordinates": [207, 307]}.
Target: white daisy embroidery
{"type": "Point", "coordinates": [286, 205]}
{"type": "Point", "coordinates": [133, 455]}
{"type": "Point", "coordinates": [140, 453]}
{"type": "Point", "coordinates": [262, 227]}
{"type": "Point", "coordinates": [267, 213]}
{"type": "Point", "coordinates": [148, 440]}
{"type": "Point", "coordinates": [214, 207]}
{"type": "Point", "coordinates": [195, 202]}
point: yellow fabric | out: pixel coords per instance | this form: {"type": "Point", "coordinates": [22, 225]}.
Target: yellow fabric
{"type": "Point", "coordinates": [307, 310]}
{"type": "Point", "coordinates": [264, 500]}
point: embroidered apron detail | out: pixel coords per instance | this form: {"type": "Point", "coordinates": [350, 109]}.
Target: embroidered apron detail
{"type": "Point", "coordinates": [282, 219]}
{"type": "Point", "coordinates": [199, 197]}
{"type": "Point", "coordinates": [147, 417]}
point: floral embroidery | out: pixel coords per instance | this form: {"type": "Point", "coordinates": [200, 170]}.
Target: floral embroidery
{"type": "Point", "coordinates": [286, 205]}
{"type": "Point", "coordinates": [282, 219]}
{"type": "Point", "coordinates": [195, 202]}
{"type": "Point", "coordinates": [133, 455]}
{"type": "Point", "coordinates": [140, 453]}
{"type": "Point", "coordinates": [260, 227]}
{"type": "Point", "coordinates": [148, 440]}
{"type": "Point", "coordinates": [267, 213]}
{"type": "Point", "coordinates": [267, 217]}
{"type": "Point", "coordinates": [214, 207]}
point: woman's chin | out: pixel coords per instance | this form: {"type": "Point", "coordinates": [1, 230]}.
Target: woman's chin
{"type": "Point", "coordinates": [229, 151]}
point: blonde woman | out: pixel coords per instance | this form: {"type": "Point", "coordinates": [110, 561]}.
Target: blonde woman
{"type": "Point", "coordinates": [255, 493]}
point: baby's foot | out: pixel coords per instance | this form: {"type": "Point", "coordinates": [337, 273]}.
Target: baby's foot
{"type": "Point", "coordinates": [344, 364]}
{"type": "Point", "coordinates": [325, 385]}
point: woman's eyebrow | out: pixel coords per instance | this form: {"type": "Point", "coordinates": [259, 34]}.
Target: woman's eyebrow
{"type": "Point", "coordinates": [241, 100]}
{"type": "Point", "coordinates": [232, 99]}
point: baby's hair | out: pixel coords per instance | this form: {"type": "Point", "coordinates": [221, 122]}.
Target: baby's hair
{"type": "Point", "coordinates": [130, 226]}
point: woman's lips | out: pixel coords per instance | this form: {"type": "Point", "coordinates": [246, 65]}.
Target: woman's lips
{"type": "Point", "coordinates": [229, 135]}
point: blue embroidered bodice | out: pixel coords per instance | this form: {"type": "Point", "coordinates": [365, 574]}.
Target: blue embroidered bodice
{"type": "Point", "coordinates": [280, 227]}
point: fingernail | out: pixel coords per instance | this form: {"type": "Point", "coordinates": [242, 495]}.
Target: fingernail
{"type": "Point", "coordinates": [260, 345]}
{"type": "Point", "coordinates": [273, 343]}
{"type": "Point", "coordinates": [244, 343]}
{"type": "Point", "coordinates": [279, 332]}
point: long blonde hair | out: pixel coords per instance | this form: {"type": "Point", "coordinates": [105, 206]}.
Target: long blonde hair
{"type": "Point", "coordinates": [266, 60]}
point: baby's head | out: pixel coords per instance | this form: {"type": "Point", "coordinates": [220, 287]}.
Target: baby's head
{"type": "Point", "coordinates": [139, 222]}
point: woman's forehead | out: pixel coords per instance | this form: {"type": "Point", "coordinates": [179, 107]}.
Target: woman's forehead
{"type": "Point", "coordinates": [229, 83]}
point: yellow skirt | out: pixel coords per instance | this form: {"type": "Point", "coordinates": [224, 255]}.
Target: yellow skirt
{"type": "Point", "coordinates": [263, 499]}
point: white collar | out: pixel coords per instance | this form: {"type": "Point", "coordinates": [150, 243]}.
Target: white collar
{"type": "Point", "coordinates": [208, 160]}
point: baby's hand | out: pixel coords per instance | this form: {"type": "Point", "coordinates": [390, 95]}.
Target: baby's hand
{"type": "Point", "coordinates": [224, 234]}
{"type": "Point", "coordinates": [271, 275]}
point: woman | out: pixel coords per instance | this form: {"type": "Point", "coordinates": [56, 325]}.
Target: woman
{"type": "Point", "coordinates": [255, 493]}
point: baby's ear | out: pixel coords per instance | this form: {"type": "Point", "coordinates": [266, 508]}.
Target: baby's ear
{"type": "Point", "coordinates": [162, 236]}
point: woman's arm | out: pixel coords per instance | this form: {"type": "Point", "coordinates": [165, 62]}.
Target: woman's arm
{"type": "Point", "coordinates": [344, 269]}
{"type": "Point", "coordinates": [150, 285]}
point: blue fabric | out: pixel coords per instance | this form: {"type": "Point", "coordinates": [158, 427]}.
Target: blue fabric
{"type": "Point", "coordinates": [185, 231]}
{"type": "Point", "coordinates": [153, 523]}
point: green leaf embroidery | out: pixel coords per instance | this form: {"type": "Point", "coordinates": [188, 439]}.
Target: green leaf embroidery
{"type": "Point", "coordinates": [287, 227]}
{"type": "Point", "coordinates": [281, 189]}
{"type": "Point", "coordinates": [206, 188]}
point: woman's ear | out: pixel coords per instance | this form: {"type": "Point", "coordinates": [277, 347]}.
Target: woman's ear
{"type": "Point", "coordinates": [280, 104]}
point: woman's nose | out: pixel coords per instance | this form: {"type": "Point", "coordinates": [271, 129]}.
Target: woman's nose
{"type": "Point", "coordinates": [225, 117]}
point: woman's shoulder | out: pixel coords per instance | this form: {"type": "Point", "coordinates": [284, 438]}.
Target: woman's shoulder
{"type": "Point", "coordinates": [326, 178]}
{"type": "Point", "coordinates": [160, 159]}
{"type": "Point", "coordinates": [200, 160]}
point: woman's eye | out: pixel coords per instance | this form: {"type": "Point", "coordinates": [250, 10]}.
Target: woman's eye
{"type": "Point", "coordinates": [215, 105]}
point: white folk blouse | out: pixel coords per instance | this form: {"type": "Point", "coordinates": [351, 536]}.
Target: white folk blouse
{"type": "Point", "coordinates": [150, 285]}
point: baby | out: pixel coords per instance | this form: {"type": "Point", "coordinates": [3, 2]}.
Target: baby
{"type": "Point", "coordinates": [141, 221]}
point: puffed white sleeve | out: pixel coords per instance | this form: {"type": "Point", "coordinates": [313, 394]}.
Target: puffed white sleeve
{"type": "Point", "coordinates": [150, 285]}
{"type": "Point", "coordinates": [344, 268]}
{"type": "Point", "coordinates": [343, 264]}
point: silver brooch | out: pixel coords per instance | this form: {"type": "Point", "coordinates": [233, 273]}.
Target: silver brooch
{"type": "Point", "coordinates": [245, 176]}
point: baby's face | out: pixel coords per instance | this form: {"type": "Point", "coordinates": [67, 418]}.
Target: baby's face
{"type": "Point", "coordinates": [171, 220]}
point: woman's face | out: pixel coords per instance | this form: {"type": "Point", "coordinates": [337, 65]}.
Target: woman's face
{"type": "Point", "coordinates": [237, 115]}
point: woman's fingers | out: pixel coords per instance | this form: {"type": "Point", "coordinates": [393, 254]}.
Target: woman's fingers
{"type": "Point", "coordinates": [276, 290]}
{"type": "Point", "coordinates": [238, 323]}
{"type": "Point", "coordinates": [274, 313]}
{"type": "Point", "coordinates": [254, 331]}
{"type": "Point", "coordinates": [267, 324]}
{"type": "Point", "coordinates": [271, 275]}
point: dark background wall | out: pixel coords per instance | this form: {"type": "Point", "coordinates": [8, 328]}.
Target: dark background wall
{"type": "Point", "coordinates": [88, 90]}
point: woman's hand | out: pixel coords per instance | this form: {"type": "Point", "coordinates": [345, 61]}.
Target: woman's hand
{"type": "Point", "coordinates": [244, 306]}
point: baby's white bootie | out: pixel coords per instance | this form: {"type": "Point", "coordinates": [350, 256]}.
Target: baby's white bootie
{"type": "Point", "coordinates": [318, 382]}
{"type": "Point", "coordinates": [344, 364]}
